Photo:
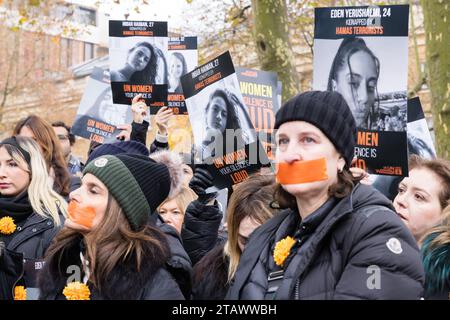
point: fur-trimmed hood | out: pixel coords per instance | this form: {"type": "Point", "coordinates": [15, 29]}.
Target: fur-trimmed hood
{"type": "Point", "coordinates": [174, 163]}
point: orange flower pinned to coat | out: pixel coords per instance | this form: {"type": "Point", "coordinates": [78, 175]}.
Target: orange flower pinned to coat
{"type": "Point", "coordinates": [7, 225]}
{"type": "Point", "coordinates": [20, 293]}
{"type": "Point", "coordinates": [77, 291]}
{"type": "Point", "coordinates": [282, 250]}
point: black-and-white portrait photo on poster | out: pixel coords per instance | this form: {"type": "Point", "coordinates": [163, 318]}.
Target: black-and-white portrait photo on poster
{"type": "Point", "coordinates": [183, 58]}
{"type": "Point", "coordinates": [370, 73]}
{"type": "Point", "coordinates": [420, 141]}
{"type": "Point", "coordinates": [138, 53]}
{"type": "Point", "coordinates": [138, 61]}
{"type": "Point", "coordinates": [260, 92]}
{"type": "Point", "coordinates": [223, 132]}
{"type": "Point", "coordinates": [96, 114]}
{"type": "Point", "coordinates": [362, 53]}
{"type": "Point", "coordinates": [219, 107]}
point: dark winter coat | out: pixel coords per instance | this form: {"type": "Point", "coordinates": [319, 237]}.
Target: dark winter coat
{"type": "Point", "coordinates": [200, 229]}
{"type": "Point", "coordinates": [353, 248]}
{"type": "Point", "coordinates": [24, 254]}
{"type": "Point", "coordinates": [179, 265]}
{"type": "Point", "coordinates": [125, 282]}
{"type": "Point", "coordinates": [210, 278]}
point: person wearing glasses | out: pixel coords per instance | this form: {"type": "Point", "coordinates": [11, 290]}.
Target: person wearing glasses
{"type": "Point", "coordinates": [67, 140]}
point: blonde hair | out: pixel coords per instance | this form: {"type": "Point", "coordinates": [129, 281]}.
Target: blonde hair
{"type": "Point", "coordinates": [182, 199]}
{"type": "Point", "coordinates": [251, 198]}
{"type": "Point", "coordinates": [45, 202]}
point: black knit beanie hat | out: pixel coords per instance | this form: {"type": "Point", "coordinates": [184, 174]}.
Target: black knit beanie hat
{"type": "Point", "coordinates": [129, 147]}
{"type": "Point", "coordinates": [139, 184]}
{"type": "Point", "coordinates": [329, 112]}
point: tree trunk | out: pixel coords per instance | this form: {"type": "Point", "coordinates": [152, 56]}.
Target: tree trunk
{"type": "Point", "coordinates": [436, 15]}
{"type": "Point", "coordinates": [271, 33]}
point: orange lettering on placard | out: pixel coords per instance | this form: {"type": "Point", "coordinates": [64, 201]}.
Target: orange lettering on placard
{"type": "Point", "coordinates": [213, 78]}
{"type": "Point", "coordinates": [96, 138]}
{"type": "Point", "coordinates": [367, 138]}
{"type": "Point", "coordinates": [239, 176]}
{"type": "Point", "coordinates": [361, 163]}
{"type": "Point", "coordinates": [199, 85]}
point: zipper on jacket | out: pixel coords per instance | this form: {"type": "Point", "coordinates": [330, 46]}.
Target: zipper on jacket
{"type": "Point", "coordinates": [297, 290]}
{"type": "Point", "coordinates": [20, 277]}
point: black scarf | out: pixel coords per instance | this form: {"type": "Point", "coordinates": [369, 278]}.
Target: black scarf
{"type": "Point", "coordinates": [19, 208]}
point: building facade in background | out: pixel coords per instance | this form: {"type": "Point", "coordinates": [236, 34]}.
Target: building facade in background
{"type": "Point", "coordinates": [46, 75]}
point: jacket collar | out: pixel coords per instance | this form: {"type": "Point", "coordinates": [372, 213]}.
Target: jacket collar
{"type": "Point", "coordinates": [35, 224]}
{"type": "Point", "coordinates": [264, 236]}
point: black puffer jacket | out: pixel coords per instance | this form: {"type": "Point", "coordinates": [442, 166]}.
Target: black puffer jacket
{"type": "Point", "coordinates": [24, 254]}
{"type": "Point", "coordinates": [210, 279]}
{"type": "Point", "coordinates": [356, 248]}
{"type": "Point", "coordinates": [151, 282]}
{"type": "Point", "coordinates": [200, 229]}
{"type": "Point", "coordinates": [179, 264]}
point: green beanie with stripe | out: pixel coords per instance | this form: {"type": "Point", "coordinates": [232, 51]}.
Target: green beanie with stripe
{"type": "Point", "coordinates": [139, 184]}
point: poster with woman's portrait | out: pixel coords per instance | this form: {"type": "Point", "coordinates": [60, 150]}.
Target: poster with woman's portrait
{"type": "Point", "coordinates": [138, 52]}
{"type": "Point", "coordinates": [420, 143]}
{"type": "Point", "coordinates": [224, 136]}
{"type": "Point", "coordinates": [183, 58]}
{"type": "Point", "coordinates": [260, 92]}
{"type": "Point", "coordinates": [97, 117]}
{"type": "Point", "coordinates": [362, 53]}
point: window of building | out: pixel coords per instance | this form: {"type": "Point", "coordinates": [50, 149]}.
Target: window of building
{"type": "Point", "coordinates": [88, 51]}
{"type": "Point", "coordinates": [63, 58]}
{"type": "Point", "coordinates": [77, 14]}
{"type": "Point", "coordinates": [85, 16]}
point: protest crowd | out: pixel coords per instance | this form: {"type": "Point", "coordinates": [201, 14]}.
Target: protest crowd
{"type": "Point", "coordinates": [137, 221]}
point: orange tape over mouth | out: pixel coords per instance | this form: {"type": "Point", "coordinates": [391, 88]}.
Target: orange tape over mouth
{"type": "Point", "coordinates": [302, 171]}
{"type": "Point", "coordinates": [81, 215]}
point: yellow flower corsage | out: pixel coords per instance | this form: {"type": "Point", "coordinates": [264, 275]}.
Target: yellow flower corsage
{"type": "Point", "coordinates": [20, 293]}
{"type": "Point", "coordinates": [282, 250]}
{"type": "Point", "coordinates": [7, 225]}
{"type": "Point", "coordinates": [77, 291]}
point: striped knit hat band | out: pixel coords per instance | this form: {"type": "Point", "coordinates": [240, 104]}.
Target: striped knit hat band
{"type": "Point", "coordinates": [137, 183]}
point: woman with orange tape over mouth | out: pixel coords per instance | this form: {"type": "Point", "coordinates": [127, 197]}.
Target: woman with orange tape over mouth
{"type": "Point", "coordinates": [116, 253]}
{"type": "Point", "coordinates": [336, 238]}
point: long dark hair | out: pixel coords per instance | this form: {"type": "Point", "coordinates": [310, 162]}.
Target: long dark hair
{"type": "Point", "coordinates": [109, 247]}
{"type": "Point", "coordinates": [232, 114]}
{"type": "Point", "coordinates": [148, 75]}
{"type": "Point", "coordinates": [348, 47]}
{"type": "Point", "coordinates": [160, 55]}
